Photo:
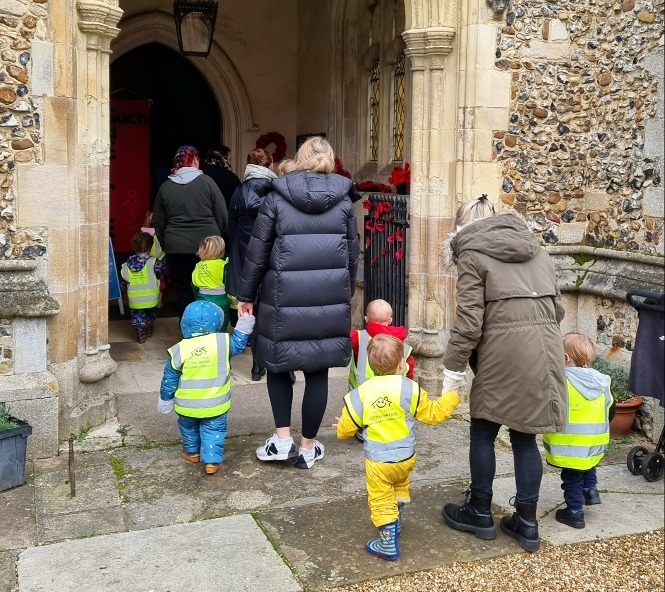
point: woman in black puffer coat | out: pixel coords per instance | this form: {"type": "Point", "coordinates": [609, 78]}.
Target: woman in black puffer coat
{"type": "Point", "coordinates": [303, 255]}
{"type": "Point", "coordinates": [243, 210]}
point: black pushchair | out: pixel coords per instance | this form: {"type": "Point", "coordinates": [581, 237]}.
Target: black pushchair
{"type": "Point", "coordinates": [647, 376]}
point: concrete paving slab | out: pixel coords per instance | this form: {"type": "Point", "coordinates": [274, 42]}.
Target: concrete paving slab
{"type": "Point", "coordinates": [325, 543]}
{"type": "Point", "coordinates": [230, 554]}
{"type": "Point", "coordinates": [619, 514]}
{"type": "Point", "coordinates": [8, 571]}
{"type": "Point", "coordinates": [17, 515]}
{"type": "Point", "coordinates": [618, 479]}
{"type": "Point", "coordinates": [77, 525]}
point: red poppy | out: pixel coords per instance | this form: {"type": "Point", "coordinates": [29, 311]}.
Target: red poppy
{"type": "Point", "coordinates": [399, 235]}
{"type": "Point", "coordinates": [385, 206]}
{"type": "Point", "coordinates": [374, 261]}
{"type": "Point", "coordinates": [368, 242]}
{"type": "Point", "coordinates": [399, 254]}
{"type": "Point", "coordinates": [369, 225]}
{"type": "Point", "coordinates": [366, 205]}
{"type": "Point", "coordinates": [380, 226]}
{"type": "Point", "coordinates": [384, 251]}
{"type": "Point", "coordinates": [390, 238]}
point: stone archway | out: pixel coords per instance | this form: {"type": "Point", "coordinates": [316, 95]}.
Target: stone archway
{"type": "Point", "coordinates": [218, 69]}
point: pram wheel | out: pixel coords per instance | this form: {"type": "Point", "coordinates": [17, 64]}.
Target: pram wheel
{"type": "Point", "coordinates": [652, 466]}
{"type": "Point", "coordinates": [635, 460]}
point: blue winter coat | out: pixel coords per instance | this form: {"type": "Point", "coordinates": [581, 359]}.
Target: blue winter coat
{"type": "Point", "coordinates": [303, 255]}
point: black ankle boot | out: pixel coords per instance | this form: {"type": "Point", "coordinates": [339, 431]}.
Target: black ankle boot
{"type": "Point", "coordinates": [523, 526]}
{"type": "Point", "coordinates": [475, 516]}
{"type": "Point", "coordinates": [257, 372]}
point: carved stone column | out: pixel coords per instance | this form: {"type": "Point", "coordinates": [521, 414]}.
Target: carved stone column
{"type": "Point", "coordinates": [433, 155]}
{"type": "Point", "coordinates": [97, 21]}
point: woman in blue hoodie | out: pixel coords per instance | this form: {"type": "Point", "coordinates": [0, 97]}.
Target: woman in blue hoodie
{"type": "Point", "coordinates": [189, 206]}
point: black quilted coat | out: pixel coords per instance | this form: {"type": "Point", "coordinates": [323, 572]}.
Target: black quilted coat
{"type": "Point", "coordinates": [303, 255]}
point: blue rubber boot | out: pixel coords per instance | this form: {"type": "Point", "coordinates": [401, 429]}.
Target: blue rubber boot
{"type": "Point", "coordinates": [400, 509]}
{"type": "Point", "coordinates": [386, 546]}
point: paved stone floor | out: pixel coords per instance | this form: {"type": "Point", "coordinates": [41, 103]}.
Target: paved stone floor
{"type": "Point", "coordinates": [259, 516]}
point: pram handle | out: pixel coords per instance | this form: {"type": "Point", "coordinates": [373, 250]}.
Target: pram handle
{"type": "Point", "coordinates": [641, 305]}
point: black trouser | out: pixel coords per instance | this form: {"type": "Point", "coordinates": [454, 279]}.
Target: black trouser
{"type": "Point", "coordinates": [315, 399]}
{"type": "Point", "coordinates": [181, 266]}
{"type": "Point", "coordinates": [528, 464]}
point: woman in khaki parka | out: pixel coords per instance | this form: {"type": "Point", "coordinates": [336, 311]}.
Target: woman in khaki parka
{"type": "Point", "coordinates": [507, 328]}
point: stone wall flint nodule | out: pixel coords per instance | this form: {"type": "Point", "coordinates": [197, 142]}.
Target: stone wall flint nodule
{"type": "Point", "coordinates": [580, 154]}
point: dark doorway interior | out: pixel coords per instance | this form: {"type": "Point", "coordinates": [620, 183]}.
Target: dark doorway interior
{"type": "Point", "coordinates": [183, 109]}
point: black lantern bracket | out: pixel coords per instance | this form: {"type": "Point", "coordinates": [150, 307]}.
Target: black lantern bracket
{"type": "Point", "coordinates": [195, 25]}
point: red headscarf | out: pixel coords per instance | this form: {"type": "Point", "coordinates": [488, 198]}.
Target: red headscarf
{"type": "Point", "coordinates": [185, 157]}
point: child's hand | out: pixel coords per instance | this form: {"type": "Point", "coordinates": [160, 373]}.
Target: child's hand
{"type": "Point", "coordinates": [336, 422]}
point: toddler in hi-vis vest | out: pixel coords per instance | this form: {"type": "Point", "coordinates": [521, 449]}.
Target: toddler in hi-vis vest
{"type": "Point", "coordinates": [209, 275]}
{"type": "Point", "coordinates": [584, 439]}
{"type": "Point", "coordinates": [385, 408]}
{"type": "Point", "coordinates": [197, 381]}
{"type": "Point", "coordinates": [140, 279]}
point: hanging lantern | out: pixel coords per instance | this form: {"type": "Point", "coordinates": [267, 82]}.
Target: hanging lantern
{"type": "Point", "coordinates": [195, 24]}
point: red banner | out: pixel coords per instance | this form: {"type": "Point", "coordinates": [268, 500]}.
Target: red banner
{"type": "Point", "coordinates": [130, 170]}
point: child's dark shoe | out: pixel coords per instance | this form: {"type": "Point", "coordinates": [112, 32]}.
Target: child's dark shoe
{"type": "Point", "coordinates": [148, 331]}
{"type": "Point", "coordinates": [565, 516]}
{"type": "Point", "coordinates": [591, 497]}
{"type": "Point", "coordinates": [192, 458]}
{"type": "Point", "coordinates": [212, 469]}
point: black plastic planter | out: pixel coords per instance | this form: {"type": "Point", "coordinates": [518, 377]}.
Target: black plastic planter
{"type": "Point", "coordinates": [13, 446]}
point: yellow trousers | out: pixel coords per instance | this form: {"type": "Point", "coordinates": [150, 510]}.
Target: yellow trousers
{"type": "Point", "coordinates": [387, 484]}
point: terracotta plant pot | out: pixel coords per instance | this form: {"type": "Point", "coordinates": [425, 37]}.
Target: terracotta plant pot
{"type": "Point", "coordinates": [624, 417]}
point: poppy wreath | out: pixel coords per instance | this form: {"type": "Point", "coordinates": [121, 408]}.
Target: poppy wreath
{"type": "Point", "coordinates": [273, 138]}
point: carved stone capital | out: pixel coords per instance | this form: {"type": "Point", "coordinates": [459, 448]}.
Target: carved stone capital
{"type": "Point", "coordinates": [97, 364]}
{"type": "Point", "coordinates": [428, 47]}
{"type": "Point", "coordinates": [98, 20]}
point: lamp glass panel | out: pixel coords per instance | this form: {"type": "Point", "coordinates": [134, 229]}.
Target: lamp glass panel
{"type": "Point", "coordinates": [195, 31]}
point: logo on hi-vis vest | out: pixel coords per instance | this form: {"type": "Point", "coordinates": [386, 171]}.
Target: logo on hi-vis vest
{"type": "Point", "coordinates": [381, 402]}
{"type": "Point", "coordinates": [199, 351]}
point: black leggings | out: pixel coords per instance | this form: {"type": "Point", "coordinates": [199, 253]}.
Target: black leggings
{"type": "Point", "coordinates": [181, 266]}
{"type": "Point", "coordinates": [528, 464]}
{"type": "Point", "coordinates": [280, 391]}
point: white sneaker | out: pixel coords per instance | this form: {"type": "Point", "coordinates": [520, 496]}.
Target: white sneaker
{"type": "Point", "coordinates": [274, 449]}
{"type": "Point", "coordinates": [307, 458]}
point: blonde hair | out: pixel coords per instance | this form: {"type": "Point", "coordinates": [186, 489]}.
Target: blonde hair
{"type": "Point", "coordinates": [385, 353]}
{"type": "Point", "coordinates": [211, 247]}
{"type": "Point", "coordinates": [379, 311]}
{"type": "Point", "coordinates": [581, 349]}
{"type": "Point", "coordinates": [316, 155]}
{"type": "Point", "coordinates": [147, 221]}
{"type": "Point", "coordinates": [286, 166]}
{"type": "Point", "coordinates": [468, 213]}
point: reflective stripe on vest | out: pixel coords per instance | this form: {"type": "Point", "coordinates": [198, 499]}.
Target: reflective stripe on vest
{"type": "Point", "coordinates": [584, 439]}
{"type": "Point", "coordinates": [361, 371]}
{"type": "Point", "coordinates": [204, 389]}
{"type": "Point", "coordinates": [209, 275]}
{"type": "Point", "coordinates": [384, 407]}
{"type": "Point", "coordinates": [142, 286]}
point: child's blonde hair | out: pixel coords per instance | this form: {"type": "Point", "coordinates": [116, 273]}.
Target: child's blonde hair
{"type": "Point", "coordinates": [385, 353]}
{"type": "Point", "coordinates": [211, 247]}
{"type": "Point", "coordinates": [581, 349]}
{"type": "Point", "coordinates": [286, 166]}
{"type": "Point", "coordinates": [379, 311]}
{"type": "Point", "coordinates": [147, 221]}
{"type": "Point", "coordinates": [316, 155]}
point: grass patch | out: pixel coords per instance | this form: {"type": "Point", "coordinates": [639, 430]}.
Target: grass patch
{"type": "Point", "coordinates": [82, 435]}
{"type": "Point", "coordinates": [615, 445]}
{"type": "Point", "coordinates": [118, 466]}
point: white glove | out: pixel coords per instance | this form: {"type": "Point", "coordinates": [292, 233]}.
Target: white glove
{"type": "Point", "coordinates": [452, 380]}
{"type": "Point", "coordinates": [165, 407]}
{"type": "Point", "coordinates": [245, 324]}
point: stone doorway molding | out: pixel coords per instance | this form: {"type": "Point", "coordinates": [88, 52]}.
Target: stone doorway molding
{"type": "Point", "coordinates": [225, 82]}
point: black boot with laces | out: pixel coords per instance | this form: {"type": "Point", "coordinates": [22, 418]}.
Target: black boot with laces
{"type": "Point", "coordinates": [523, 525]}
{"type": "Point", "coordinates": [474, 516]}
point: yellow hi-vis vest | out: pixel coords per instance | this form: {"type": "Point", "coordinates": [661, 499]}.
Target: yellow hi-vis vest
{"type": "Point", "coordinates": [205, 384]}
{"type": "Point", "coordinates": [584, 439]}
{"type": "Point", "coordinates": [143, 286]}
{"type": "Point", "coordinates": [156, 250]}
{"type": "Point", "coordinates": [208, 277]}
{"type": "Point", "coordinates": [384, 408]}
{"type": "Point", "coordinates": [361, 371]}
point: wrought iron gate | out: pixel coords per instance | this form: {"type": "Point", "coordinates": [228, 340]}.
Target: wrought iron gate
{"type": "Point", "coordinates": [385, 228]}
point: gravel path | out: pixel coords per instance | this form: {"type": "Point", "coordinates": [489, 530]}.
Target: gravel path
{"type": "Point", "coordinates": [624, 564]}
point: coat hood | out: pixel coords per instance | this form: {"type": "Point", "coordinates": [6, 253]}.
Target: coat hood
{"type": "Point", "coordinates": [185, 175]}
{"type": "Point", "coordinates": [312, 193]}
{"type": "Point", "coordinates": [136, 262]}
{"type": "Point", "coordinates": [255, 171]}
{"type": "Point", "coordinates": [590, 383]}
{"type": "Point", "coordinates": [504, 237]}
{"type": "Point", "coordinates": [201, 318]}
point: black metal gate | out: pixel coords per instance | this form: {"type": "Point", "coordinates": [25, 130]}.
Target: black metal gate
{"type": "Point", "coordinates": [386, 224]}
